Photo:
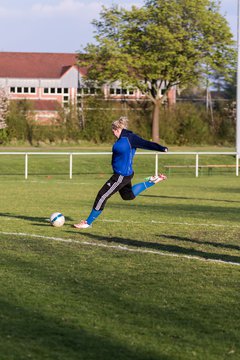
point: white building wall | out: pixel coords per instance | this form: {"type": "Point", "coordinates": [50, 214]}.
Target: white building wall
{"type": "Point", "coordinates": [72, 79]}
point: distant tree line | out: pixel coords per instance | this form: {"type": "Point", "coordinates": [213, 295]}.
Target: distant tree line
{"type": "Point", "coordinates": [185, 123]}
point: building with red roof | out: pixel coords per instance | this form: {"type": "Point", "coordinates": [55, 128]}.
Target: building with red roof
{"type": "Point", "coordinates": [44, 79]}
{"type": "Point", "coordinates": [51, 79]}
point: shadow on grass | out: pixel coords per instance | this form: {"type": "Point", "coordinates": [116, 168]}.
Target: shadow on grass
{"type": "Point", "coordinates": [174, 249]}
{"type": "Point", "coordinates": [190, 198]}
{"type": "Point", "coordinates": [29, 333]}
{"type": "Point", "coordinates": [38, 221]}
{"type": "Point", "coordinates": [195, 241]}
{"type": "Point", "coordinates": [231, 190]}
{"type": "Point", "coordinates": [201, 212]}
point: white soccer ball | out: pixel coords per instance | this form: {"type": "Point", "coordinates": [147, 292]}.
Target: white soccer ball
{"type": "Point", "coordinates": [57, 219]}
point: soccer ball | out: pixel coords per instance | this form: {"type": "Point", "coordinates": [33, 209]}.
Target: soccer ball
{"type": "Point", "coordinates": [57, 219]}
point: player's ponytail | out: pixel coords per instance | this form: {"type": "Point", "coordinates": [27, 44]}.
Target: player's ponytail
{"type": "Point", "coordinates": [121, 123]}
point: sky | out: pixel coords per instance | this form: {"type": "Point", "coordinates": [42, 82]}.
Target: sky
{"type": "Point", "coordinates": [63, 26]}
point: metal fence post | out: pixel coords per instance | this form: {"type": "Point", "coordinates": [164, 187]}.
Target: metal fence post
{"type": "Point", "coordinates": [70, 166]}
{"type": "Point", "coordinates": [197, 163]}
{"type": "Point", "coordinates": [26, 166]}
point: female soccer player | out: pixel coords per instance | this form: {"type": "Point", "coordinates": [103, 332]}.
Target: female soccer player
{"type": "Point", "coordinates": [123, 152]}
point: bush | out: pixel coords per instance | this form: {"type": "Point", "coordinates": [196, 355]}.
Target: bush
{"type": "Point", "coordinates": [3, 136]}
{"type": "Point", "coordinates": [224, 124]}
{"type": "Point", "coordinates": [19, 121]}
{"type": "Point", "coordinates": [184, 124]}
{"type": "Point", "coordinates": [98, 117]}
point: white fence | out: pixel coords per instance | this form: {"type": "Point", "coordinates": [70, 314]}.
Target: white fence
{"type": "Point", "coordinates": [156, 155]}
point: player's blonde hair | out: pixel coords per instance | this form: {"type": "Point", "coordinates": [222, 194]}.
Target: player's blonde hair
{"type": "Point", "coordinates": [121, 123]}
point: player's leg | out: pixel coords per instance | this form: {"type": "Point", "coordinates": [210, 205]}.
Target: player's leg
{"type": "Point", "coordinates": [129, 191]}
{"type": "Point", "coordinates": [108, 189]}
{"type": "Point", "coordinates": [152, 180]}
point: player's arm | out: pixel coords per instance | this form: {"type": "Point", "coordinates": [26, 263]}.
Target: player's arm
{"type": "Point", "coordinates": [138, 142]}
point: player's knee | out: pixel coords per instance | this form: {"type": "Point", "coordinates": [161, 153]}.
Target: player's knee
{"type": "Point", "coordinates": [128, 197]}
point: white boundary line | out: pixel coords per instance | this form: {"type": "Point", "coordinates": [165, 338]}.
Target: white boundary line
{"type": "Point", "coordinates": [119, 247]}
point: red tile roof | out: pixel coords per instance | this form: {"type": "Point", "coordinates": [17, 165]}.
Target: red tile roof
{"type": "Point", "coordinates": [36, 65]}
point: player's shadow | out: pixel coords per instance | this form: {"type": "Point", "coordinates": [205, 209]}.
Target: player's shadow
{"type": "Point", "coordinates": [198, 211]}
{"type": "Point", "coordinates": [195, 241]}
{"type": "Point", "coordinates": [189, 198]}
{"type": "Point", "coordinates": [36, 220]}
{"type": "Point", "coordinates": [173, 249]}
{"type": "Point", "coordinates": [24, 217]}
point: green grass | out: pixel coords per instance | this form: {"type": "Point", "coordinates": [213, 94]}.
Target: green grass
{"type": "Point", "coordinates": [156, 278]}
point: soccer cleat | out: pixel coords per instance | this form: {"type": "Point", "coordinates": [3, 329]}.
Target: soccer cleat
{"type": "Point", "coordinates": [82, 225]}
{"type": "Point", "coordinates": [157, 178]}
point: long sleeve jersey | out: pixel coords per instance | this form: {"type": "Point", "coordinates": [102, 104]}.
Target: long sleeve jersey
{"type": "Point", "coordinates": [124, 149]}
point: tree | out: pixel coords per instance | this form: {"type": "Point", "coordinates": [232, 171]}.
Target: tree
{"type": "Point", "coordinates": [230, 87]}
{"type": "Point", "coordinates": [163, 44]}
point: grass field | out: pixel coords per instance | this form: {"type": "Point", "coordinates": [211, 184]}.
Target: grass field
{"type": "Point", "coordinates": [157, 278]}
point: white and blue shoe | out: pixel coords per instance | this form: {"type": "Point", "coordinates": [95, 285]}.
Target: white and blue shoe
{"type": "Point", "coordinates": [82, 225]}
{"type": "Point", "coordinates": [157, 178]}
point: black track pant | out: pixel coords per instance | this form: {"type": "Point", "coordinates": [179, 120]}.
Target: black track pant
{"type": "Point", "coordinates": [116, 183]}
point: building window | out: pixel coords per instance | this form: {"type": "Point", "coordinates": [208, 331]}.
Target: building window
{"type": "Point", "coordinates": [32, 90]}
{"type": "Point", "coordinates": [79, 101]}
{"type": "Point", "coordinates": [52, 90]}
{"type": "Point", "coordinates": [19, 90]}
{"type": "Point", "coordinates": [12, 89]}
{"type": "Point", "coordinates": [120, 91]}
{"type": "Point", "coordinates": [65, 90]}
{"type": "Point", "coordinates": [46, 90]}
{"type": "Point", "coordinates": [26, 90]}
{"type": "Point", "coordinates": [66, 101]}
{"type": "Point", "coordinates": [59, 90]}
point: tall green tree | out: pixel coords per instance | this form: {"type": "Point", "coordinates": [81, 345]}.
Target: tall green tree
{"type": "Point", "coordinates": [164, 43]}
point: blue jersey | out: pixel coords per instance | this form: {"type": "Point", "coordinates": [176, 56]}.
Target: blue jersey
{"type": "Point", "coordinates": [124, 150]}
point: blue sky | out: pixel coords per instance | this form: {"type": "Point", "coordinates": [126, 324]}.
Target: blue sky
{"type": "Point", "coordinates": [63, 25]}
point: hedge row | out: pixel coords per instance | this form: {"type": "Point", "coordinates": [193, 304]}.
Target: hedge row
{"type": "Point", "coordinates": [182, 124]}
